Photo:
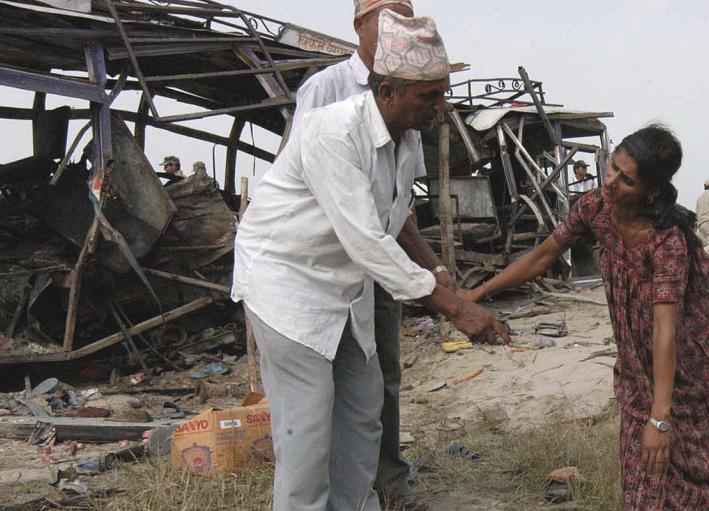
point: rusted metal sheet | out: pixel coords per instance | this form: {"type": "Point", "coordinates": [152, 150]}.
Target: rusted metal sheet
{"type": "Point", "coordinates": [202, 229]}
{"type": "Point", "coordinates": [137, 205]}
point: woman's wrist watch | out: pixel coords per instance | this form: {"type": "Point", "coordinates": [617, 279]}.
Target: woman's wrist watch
{"type": "Point", "coordinates": [662, 426]}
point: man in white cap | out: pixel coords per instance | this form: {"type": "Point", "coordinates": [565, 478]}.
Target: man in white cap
{"type": "Point", "coordinates": [337, 83]}
{"type": "Point", "coordinates": [321, 227]}
{"type": "Point", "coordinates": [703, 215]}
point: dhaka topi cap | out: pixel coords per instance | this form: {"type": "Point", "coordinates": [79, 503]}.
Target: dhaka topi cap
{"type": "Point", "coordinates": [580, 163]}
{"type": "Point", "coordinates": [410, 48]}
{"type": "Point", "coordinates": [170, 160]}
{"type": "Point", "coordinates": [362, 7]}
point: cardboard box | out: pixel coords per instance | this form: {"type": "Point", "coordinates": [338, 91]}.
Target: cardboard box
{"type": "Point", "coordinates": [222, 441]}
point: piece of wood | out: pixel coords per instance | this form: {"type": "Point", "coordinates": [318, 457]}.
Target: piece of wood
{"type": "Point", "coordinates": [469, 376]}
{"type": "Point", "coordinates": [75, 287]}
{"type": "Point", "coordinates": [573, 297]}
{"type": "Point", "coordinates": [80, 429]}
{"type": "Point", "coordinates": [165, 391]}
{"type": "Point", "coordinates": [188, 280]}
{"type": "Point", "coordinates": [111, 339]}
{"type": "Point", "coordinates": [444, 197]}
{"type": "Point", "coordinates": [18, 310]}
{"type": "Point", "coordinates": [251, 358]}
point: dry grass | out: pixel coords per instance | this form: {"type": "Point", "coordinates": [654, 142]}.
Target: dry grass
{"type": "Point", "coordinates": [154, 486]}
{"type": "Point", "coordinates": [512, 475]}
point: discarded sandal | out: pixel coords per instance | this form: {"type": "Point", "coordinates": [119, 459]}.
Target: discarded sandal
{"type": "Point", "coordinates": [458, 450]}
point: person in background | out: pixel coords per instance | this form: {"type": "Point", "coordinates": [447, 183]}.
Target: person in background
{"type": "Point", "coordinates": [337, 83]}
{"type": "Point", "coordinates": [171, 166]}
{"type": "Point", "coordinates": [703, 215]}
{"type": "Point", "coordinates": [322, 225]}
{"type": "Point", "coordinates": [585, 182]}
{"type": "Point", "coordinates": [199, 166]}
{"type": "Point", "coordinates": [656, 278]}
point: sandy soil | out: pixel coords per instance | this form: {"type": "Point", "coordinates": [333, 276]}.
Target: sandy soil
{"type": "Point", "coordinates": [521, 385]}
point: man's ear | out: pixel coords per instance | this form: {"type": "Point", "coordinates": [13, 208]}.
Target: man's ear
{"type": "Point", "coordinates": [357, 24]}
{"type": "Point", "coordinates": [386, 91]}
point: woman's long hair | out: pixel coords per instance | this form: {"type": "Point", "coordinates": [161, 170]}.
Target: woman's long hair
{"type": "Point", "coordinates": [658, 155]}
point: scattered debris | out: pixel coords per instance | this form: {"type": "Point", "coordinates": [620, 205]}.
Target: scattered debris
{"type": "Point", "coordinates": [459, 450]}
{"type": "Point", "coordinates": [213, 369]}
{"type": "Point", "coordinates": [560, 484]}
{"type": "Point", "coordinates": [469, 376]}
{"type": "Point", "coordinates": [456, 345]}
{"type": "Point", "coordinates": [551, 329]}
{"type": "Point", "coordinates": [546, 342]}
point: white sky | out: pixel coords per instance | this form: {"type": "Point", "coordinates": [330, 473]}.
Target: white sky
{"type": "Point", "coordinates": [645, 60]}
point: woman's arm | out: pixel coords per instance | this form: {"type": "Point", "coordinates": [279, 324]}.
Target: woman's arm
{"type": "Point", "coordinates": [656, 444]}
{"type": "Point", "coordinates": [523, 269]}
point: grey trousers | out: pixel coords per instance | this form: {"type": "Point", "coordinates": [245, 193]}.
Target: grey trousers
{"type": "Point", "coordinates": [393, 469]}
{"type": "Point", "coordinates": [325, 422]}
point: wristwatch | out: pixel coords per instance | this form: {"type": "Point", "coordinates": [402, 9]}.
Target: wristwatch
{"type": "Point", "coordinates": [439, 269]}
{"type": "Point", "coordinates": [662, 426]}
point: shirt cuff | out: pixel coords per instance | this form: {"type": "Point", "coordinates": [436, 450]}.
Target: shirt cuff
{"type": "Point", "coordinates": [420, 285]}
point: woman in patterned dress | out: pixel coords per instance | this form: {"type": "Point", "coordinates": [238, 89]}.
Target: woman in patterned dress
{"type": "Point", "coordinates": [656, 279]}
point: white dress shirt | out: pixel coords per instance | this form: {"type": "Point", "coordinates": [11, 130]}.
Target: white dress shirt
{"type": "Point", "coordinates": [323, 224]}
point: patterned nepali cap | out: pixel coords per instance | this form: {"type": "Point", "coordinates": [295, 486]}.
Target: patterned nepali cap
{"type": "Point", "coordinates": [362, 7]}
{"type": "Point", "coordinates": [410, 48]}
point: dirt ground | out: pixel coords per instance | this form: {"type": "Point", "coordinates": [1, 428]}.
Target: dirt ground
{"type": "Point", "coordinates": [520, 385]}
{"type": "Point", "coordinates": [444, 396]}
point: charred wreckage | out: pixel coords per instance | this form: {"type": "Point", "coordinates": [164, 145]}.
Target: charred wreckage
{"type": "Point", "coordinates": [99, 258]}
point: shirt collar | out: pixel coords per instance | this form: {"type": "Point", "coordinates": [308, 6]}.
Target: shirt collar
{"type": "Point", "coordinates": [361, 73]}
{"type": "Point", "coordinates": [379, 131]}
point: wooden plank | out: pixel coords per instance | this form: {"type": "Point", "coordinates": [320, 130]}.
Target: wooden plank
{"type": "Point", "coordinates": [188, 280]}
{"type": "Point", "coordinates": [444, 196]}
{"type": "Point", "coordinates": [80, 429]}
{"type": "Point", "coordinates": [111, 339]}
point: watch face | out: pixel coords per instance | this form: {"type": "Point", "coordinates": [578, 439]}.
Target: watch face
{"type": "Point", "coordinates": [663, 426]}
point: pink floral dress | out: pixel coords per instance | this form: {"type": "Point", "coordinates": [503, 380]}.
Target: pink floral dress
{"type": "Point", "coordinates": [657, 269]}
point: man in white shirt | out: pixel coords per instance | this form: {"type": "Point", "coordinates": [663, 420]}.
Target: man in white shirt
{"type": "Point", "coordinates": [585, 182]}
{"type": "Point", "coordinates": [337, 83]}
{"type": "Point", "coordinates": [320, 229]}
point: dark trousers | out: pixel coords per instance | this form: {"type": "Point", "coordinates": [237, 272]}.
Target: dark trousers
{"type": "Point", "coordinates": [393, 469]}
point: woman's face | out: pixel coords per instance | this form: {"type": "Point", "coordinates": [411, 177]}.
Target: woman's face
{"type": "Point", "coordinates": [621, 183]}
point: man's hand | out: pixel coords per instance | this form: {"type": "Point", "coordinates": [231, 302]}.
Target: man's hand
{"type": "Point", "coordinates": [470, 295]}
{"type": "Point", "coordinates": [479, 323]}
{"type": "Point", "coordinates": [656, 450]}
{"type": "Point", "coordinates": [443, 278]}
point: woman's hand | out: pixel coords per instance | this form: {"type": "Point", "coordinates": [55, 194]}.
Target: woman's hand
{"type": "Point", "coordinates": [470, 295]}
{"type": "Point", "coordinates": [656, 450]}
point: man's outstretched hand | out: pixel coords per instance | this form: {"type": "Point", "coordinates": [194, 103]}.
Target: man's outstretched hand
{"type": "Point", "coordinates": [479, 323]}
